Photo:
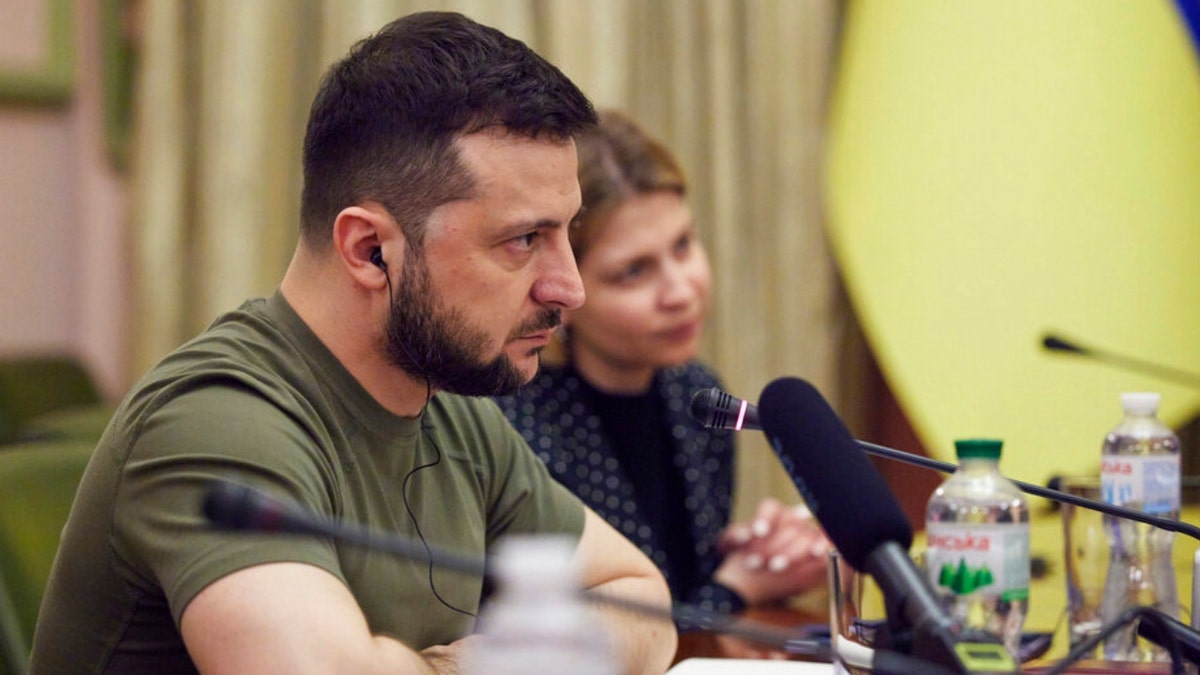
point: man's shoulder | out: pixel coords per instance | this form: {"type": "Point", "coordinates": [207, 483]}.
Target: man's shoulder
{"type": "Point", "coordinates": [245, 334]}
{"type": "Point", "coordinates": [243, 350]}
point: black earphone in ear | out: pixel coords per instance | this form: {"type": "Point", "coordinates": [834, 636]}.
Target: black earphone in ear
{"type": "Point", "coordinates": [377, 259]}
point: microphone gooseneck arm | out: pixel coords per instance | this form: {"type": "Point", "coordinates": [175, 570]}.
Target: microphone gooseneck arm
{"type": "Point", "coordinates": [1057, 343]}
{"type": "Point", "coordinates": [890, 566]}
{"type": "Point", "coordinates": [830, 471]}
{"type": "Point", "coordinates": [859, 514]}
{"type": "Point", "coordinates": [1169, 524]}
{"type": "Point", "coordinates": [717, 409]}
{"type": "Point", "coordinates": [1169, 640]}
{"type": "Point", "coordinates": [1164, 629]}
{"type": "Point", "coordinates": [237, 507]}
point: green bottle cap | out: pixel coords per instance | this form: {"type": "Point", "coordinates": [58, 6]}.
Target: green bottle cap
{"type": "Point", "coordinates": [978, 448]}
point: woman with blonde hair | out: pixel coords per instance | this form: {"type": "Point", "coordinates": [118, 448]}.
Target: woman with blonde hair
{"type": "Point", "coordinates": [609, 416]}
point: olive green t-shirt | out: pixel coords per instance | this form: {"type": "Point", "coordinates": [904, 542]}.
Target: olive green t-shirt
{"type": "Point", "coordinates": [259, 399]}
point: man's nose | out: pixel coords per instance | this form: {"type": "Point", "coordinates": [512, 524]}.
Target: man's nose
{"type": "Point", "coordinates": [559, 283]}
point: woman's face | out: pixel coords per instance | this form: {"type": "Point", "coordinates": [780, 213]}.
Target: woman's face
{"type": "Point", "coordinates": [647, 281]}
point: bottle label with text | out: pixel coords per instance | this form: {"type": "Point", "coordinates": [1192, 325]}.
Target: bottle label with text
{"type": "Point", "coordinates": [1147, 482]}
{"type": "Point", "coordinates": [966, 558]}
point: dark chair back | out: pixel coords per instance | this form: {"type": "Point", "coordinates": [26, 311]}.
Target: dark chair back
{"type": "Point", "coordinates": [37, 487]}
{"type": "Point", "coordinates": [32, 386]}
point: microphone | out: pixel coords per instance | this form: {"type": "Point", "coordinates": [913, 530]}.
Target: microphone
{"type": "Point", "coordinates": [716, 409]}
{"type": "Point", "coordinates": [893, 569]}
{"type": "Point", "coordinates": [234, 506]}
{"type": "Point", "coordinates": [238, 507]}
{"type": "Point", "coordinates": [862, 518]}
{"type": "Point", "coordinates": [844, 492]}
{"type": "Point", "coordinates": [1057, 343]}
{"type": "Point", "coordinates": [1168, 524]}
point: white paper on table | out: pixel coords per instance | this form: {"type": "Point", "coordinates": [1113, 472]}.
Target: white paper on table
{"type": "Point", "coordinates": [699, 666]}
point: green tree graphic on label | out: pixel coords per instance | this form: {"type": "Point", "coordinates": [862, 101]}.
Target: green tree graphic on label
{"type": "Point", "coordinates": [963, 579]}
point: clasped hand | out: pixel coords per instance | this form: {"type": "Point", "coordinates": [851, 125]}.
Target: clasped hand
{"type": "Point", "coordinates": [780, 552]}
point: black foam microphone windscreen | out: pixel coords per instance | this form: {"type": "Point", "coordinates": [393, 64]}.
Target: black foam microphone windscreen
{"type": "Point", "coordinates": [234, 506]}
{"type": "Point", "coordinates": [841, 487]}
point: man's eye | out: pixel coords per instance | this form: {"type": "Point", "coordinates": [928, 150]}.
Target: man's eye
{"type": "Point", "coordinates": [525, 241]}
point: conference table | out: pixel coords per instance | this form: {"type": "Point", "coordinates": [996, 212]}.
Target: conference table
{"type": "Point", "coordinates": [706, 653]}
{"type": "Point", "coordinates": [702, 652]}
{"type": "Point", "coordinates": [707, 644]}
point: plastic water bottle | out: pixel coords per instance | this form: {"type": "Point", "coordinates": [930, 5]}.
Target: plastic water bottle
{"type": "Point", "coordinates": [538, 622]}
{"type": "Point", "coordinates": [1139, 470]}
{"type": "Point", "coordinates": [977, 535]}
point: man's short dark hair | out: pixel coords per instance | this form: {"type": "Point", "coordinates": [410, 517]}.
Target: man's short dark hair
{"type": "Point", "coordinates": [383, 123]}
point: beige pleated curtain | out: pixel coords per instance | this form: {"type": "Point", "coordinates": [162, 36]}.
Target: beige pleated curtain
{"type": "Point", "coordinates": [737, 87]}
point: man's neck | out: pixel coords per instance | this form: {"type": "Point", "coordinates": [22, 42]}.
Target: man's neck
{"type": "Point", "coordinates": [341, 315]}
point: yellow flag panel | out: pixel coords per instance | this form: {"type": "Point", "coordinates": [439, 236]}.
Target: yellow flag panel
{"type": "Point", "coordinates": [999, 169]}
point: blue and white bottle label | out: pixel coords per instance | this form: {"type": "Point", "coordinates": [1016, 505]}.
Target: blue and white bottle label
{"type": "Point", "coordinates": [1149, 483]}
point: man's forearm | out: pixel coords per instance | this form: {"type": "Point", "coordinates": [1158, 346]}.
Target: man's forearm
{"type": "Point", "coordinates": [646, 642]}
{"type": "Point", "coordinates": [447, 659]}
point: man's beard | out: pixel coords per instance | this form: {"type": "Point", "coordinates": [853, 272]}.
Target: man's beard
{"type": "Point", "coordinates": [428, 340]}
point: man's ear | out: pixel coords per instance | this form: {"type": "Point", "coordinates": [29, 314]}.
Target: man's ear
{"type": "Point", "coordinates": [365, 237]}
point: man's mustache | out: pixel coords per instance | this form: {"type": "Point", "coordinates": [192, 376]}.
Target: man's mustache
{"type": "Point", "coordinates": [545, 319]}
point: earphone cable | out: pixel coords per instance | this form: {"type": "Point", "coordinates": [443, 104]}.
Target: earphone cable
{"type": "Point", "coordinates": [437, 460]}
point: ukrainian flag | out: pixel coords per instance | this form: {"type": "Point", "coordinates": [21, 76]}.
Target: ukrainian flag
{"type": "Point", "coordinates": [1000, 169]}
